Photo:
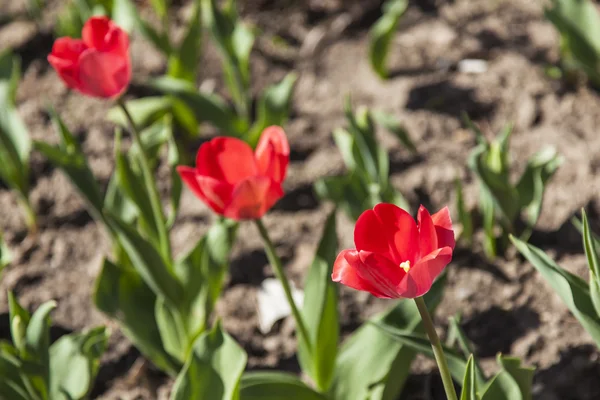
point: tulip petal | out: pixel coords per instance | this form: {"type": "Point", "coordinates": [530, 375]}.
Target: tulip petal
{"type": "Point", "coordinates": [443, 228]}
{"type": "Point", "coordinates": [103, 74]}
{"type": "Point", "coordinates": [226, 158]}
{"type": "Point", "coordinates": [368, 272]}
{"type": "Point", "coordinates": [370, 235]}
{"type": "Point", "coordinates": [428, 241]}
{"type": "Point", "coordinates": [94, 32]}
{"type": "Point", "coordinates": [212, 192]}
{"type": "Point", "coordinates": [64, 59]}
{"type": "Point", "coordinates": [248, 199]}
{"type": "Point", "coordinates": [273, 153]}
{"type": "Point", "coordinates": [389, 230]}
{"type": "Point", "coordinates": [420, 277]}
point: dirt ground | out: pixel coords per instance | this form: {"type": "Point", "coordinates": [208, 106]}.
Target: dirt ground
{"type": "Point", "coordinates": [506, 306]}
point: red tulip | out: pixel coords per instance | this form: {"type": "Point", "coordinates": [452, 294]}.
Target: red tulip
{"type": "Point", "coordinates": [394, 256]}
{"type": "Point", "coordinates": [97, 65]}
{"type": "Point", "coordinates": [235, 181]}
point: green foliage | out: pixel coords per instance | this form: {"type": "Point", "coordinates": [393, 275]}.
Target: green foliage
{"type": "Point", "coordinates": [578, 23]}
{"type": "Point", "coordinates": [574, 291]}
{"type": "Point", "coordinates": [381, 35]}
{"type": "Point", "coordinates": [373, 365]}
{"type": "Point", "coordinates": [214, 369]}
{"type": "Point", "coordinates": [32, 369]}
{"type": "Point", "coordinates": [276, 386]}
{"type": "Point", "coordinates": [235, 41]}
{"type": "Point", "coordinates": [320, 311]}
{"type": "Point", "coordinates": [15, 143]}
{"type": "Point", "coordinates": [464, 216]}
{"type": "Point", "coordinates": [512, 381]}
{"type": "Point", "coordinates": [182, 294]}
{"type": "Point", "coordinates": [367, 181]}
{"type": "Point", "coordinates": [502, 202]}
{"type": "Point", "coordinates": [5, 254]}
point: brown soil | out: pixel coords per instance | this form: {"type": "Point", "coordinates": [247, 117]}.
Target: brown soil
{"type": "Point", "coordinates": [506, 306]}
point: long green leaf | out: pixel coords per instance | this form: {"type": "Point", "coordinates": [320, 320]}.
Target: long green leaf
{"type": "Point", "coordinates": [420, 343]}
{"type": "Point", "coordinates": [371, 362]}
{"type": "Point", "coordinates": [381, 35]}
{"type": "Point", "coordinates": [213, 370]}
{"type": "Point", "coordinates": [15, 143]}
{"type": "Point", "coordinates": [183, 62]}
{"type": "Point", "coordinates": [122, 294]}
{"type": "Point", "coordinates": [74, 363]}
{"type": "Point", "coordinates": [148, 262]}
{"type": "Point", "coordinates": [469, 387]}
{"type": "Point", "coordinates": [273, 107]}
{"type": "Point", "coordinates": [320, 311]}
{"type": "Point", "coordinates": [276, 386]}
{"type": "Point", "coordinates": [513, 382]}
{"type": "Point", "coordinates": [573, 291]}
{"type": "Point", "coordinates": [206, 107]}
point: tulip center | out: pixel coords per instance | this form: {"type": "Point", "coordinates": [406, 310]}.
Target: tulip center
{"type": "Point", "coordinates": [405, 266]}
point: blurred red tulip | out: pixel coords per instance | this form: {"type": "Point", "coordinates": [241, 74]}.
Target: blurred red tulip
{"type": "Point", "coordinates": [394, 256]}
{"type": "Point", "coordinates": [97, 65]}
{"type": "Point", "coordinates": [236, 182]}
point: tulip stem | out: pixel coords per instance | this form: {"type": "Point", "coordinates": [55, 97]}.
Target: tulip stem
{"type": "Point", "coordinates": [436, 345]}
{"type": "Point", "coordinates": [278, 268]}
{"type": "Point", "coordinates": [159, 219]}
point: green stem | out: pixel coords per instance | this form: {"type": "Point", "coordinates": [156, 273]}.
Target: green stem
{"type": "Point", "coordinates": [29, 213]}
{"type": "Point", "coordinates": [440, 358]}
{"type": "Point", "coordinates": [159, 219]}
{"type": "Point", "coordinates": [278, 268]}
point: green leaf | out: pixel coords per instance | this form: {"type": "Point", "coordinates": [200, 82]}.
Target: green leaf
{"type": "Point", "coordinates": [276, 386]}
{"type": "Point", "coordinates": [320, 311]}
{"type": "Point", "coordinates": [469, 387]}
{"type": "Point", "coordinates": [455, 333]}
{"type": "Point", "coordinates": [171, 329]}
{"type": "Point", "coordinates": [160, 40]}
{"type": "Point", "coordinates": [457, 364]}
{"type": "Point", "coordinates": [125, 14]}
{"type": "Point", "coordinates": [174, 159]}
{"type": "Point", "coordinates": [273, 107]}
{"type": "Point", "coordinates": [37, 343]}
{"type": "Point", "coordinates": [130, 182]}
{"type": "Point", "coordinates": [578, 23]}
{"type": "Point", "coordinates": [19, 320]}
{"type": "Point", "coordinates": [573, 291]}
{"type": "Point", "coordinates": [513, 382]}
{"type": "Point", "coordinates": [363, 131]}
{"type": "Point", "coordinates": [124, 296]}
{"type": "Point", "coordinates": [145, 111]}
{"type": "Point", "coordinates": [148, 262]}
{"type": "Point", "coordinates": [235, 40]}
{"type": "Point", "coordinates": [118, 203]}
{"type": "Point", "coordinates": [347, 192]}
{"type": "Point", "coordinates": [532, 184]}
{"type": "Point", "coordinates": [69, 157]}
{"type": "Point", "coordinates": [591, 252]}
{"type": "Point", "coordinates": [213, 370]}
{"type": "Point", "coordinates": [15, 143]}
{"type": "Point", "coordinates": [74, 363]}
{"type": "Point", "coordinates": [6, 256]}
{"type": "Point", "coordinates": [202, 272]}
{"type": "Point", "coordinates": [372, 363]}
{"type": "Point", "coordinates": [381, 35]}
{"type": "Point", "coordinates": [183, 62]}
{"type": "Point", "coordinates": [464, 216]}
{"type": "Point", "coordinates": [161, 7]}
{"type": "Point", "coordinates": [206, 107]}
{"type": "Point", "coordinates": [391, 123]}
{"type": "Point", "coordinates": [12, 386]}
